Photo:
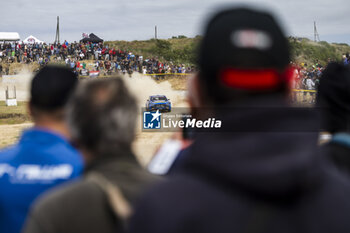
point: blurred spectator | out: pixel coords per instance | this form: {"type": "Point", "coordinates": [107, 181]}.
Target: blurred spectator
{"type": "Point", "coordinates": [306, 82]}
{"type": "Point", "coordinates": [309, 85]}
{"type": "Point", "coordinates": [334, 101]}
{"type": "Point", "coordinates": [262, 172]}
{"type": "Point", "coordinates": [102, 116]}
{"type": "Point", "coordinates": [42, 158]}
{"type": "Point", "coordinates": [346, 59]}
{"type": "Point", "coordinates": [71, 53]}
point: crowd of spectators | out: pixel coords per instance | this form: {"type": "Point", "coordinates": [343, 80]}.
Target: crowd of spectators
{"type": "Point", "coordinates": [306, 79]}
{"type": "Point", "coordinates": [75, 55]}
{"type": "Point", "coordinates": [111, 60]}
{"type": "Point", "coordinates": [302, 74]}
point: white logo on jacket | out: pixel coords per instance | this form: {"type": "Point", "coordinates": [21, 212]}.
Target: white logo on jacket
{"type": "Point", "coordinates": [36, 173]}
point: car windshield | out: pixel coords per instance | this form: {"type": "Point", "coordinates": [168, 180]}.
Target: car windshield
{"type": "Point", "coordinates": [158, 98]}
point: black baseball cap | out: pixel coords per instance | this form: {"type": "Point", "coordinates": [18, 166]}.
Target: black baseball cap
{"type": "Point", "coordinates": [243, 49]}
{"type": "Point", "coordinates": [52, 86]}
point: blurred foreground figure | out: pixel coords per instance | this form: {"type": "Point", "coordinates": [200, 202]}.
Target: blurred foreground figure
{"type": "Point", "coordinates": [43, 157]}
{"type": "Point", "coordinates": [262, 172]}
{"type": "Point", "coordinates": [333, 99]}
{"type": "Point", "coordinates": [101, 117]}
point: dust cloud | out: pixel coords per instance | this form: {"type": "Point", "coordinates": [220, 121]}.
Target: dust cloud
{"type": "Point", "coordinates": [143, 86]}
{"type": "Point", "coordinates": [22, 83]}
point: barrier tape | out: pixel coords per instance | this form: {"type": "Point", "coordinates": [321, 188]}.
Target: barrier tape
{"type": "Point", "coordinates": [181, 74]}
{"type": "Point", "coordinates": [163, 74]}
{"type": "Point", "coordinates": [300, 90]}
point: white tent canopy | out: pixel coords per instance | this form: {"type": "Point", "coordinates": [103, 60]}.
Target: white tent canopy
{"type": "Point", "coordinates": [9, 36]}
{"type": "Point", "coordinates": [31, 40]}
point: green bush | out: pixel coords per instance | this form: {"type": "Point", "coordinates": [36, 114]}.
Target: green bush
{"type": "Point", "coordinates": [312, 52]}
{"type": "Point", "coordinates": [182, 50]}
{"type": "Point", "coordinates": [181, 37]}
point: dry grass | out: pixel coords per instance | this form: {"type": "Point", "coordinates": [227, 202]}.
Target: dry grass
{"type": "Point", "coordinates": [181, 43]}
{"type": "Point", "coordinates": [14, 114]}
{"type": "Point", "coordinates": [11, 133]}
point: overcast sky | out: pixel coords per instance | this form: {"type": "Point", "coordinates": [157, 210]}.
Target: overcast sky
{"type": "Point", "coordinates": [135, 19]}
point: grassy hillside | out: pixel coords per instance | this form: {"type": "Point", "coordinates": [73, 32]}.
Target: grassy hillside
{"type": "Point", "coordinates": [176, 50]}
{"type": "Point", "coordinates": [183, 50]}
{"type": "Point", "coordinates": [310, 52]}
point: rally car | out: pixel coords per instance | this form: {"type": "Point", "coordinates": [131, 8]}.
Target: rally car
{"type": "Point", "coordinates": [158, 102]}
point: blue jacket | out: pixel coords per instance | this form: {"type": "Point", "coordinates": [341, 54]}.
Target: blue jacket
{"type": "Point", "coordinates": [40, 160]}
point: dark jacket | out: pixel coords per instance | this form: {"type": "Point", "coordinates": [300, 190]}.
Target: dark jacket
{"type": "Point", "coordinates": [82, 206]}
{"type": "Point", "coordinates": [339, 151]}
{"type": "Point", "coordinates": [263, 174]}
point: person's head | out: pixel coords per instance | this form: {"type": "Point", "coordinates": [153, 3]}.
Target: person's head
{"type": "Point", "coordinates": [50, 90]}
{"type": "Point", "coordinates": [101, 116]}
{"type": "Point", "coordinates": [333, 98]}
{"type": "Point", "coordinates": [243, 53]}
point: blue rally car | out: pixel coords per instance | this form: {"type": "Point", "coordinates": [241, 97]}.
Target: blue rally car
{"type": "Point", "coordinates": [158, 102]}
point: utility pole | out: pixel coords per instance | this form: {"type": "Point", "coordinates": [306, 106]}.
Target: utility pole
{"type": "Point", "coordinates": [57, 38]}
{"type": "Point", "coordinates": [316, 35]}
{"type": "Point", "coordinates": [155, 32]}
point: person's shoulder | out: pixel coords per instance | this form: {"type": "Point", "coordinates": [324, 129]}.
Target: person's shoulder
{"type": "Point", "coordinates": [185, 195]}
{"type": "Point", "coordinates": [69, 195]}
{"type": "Point", "coordinates": [60, 145]}
{"type": "Point", "coordinates": [9, 153]}
{"type": "Point", "coordinates": [164, 195]}
{"type": "Point", "coordinates": [182, 187]}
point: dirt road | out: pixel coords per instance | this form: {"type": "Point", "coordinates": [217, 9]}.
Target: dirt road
{"type": "Point", "coordinates": [142, 87]}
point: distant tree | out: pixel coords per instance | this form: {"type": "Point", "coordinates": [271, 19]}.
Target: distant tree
{"type": "Point", "coordinates": [181, 37]}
